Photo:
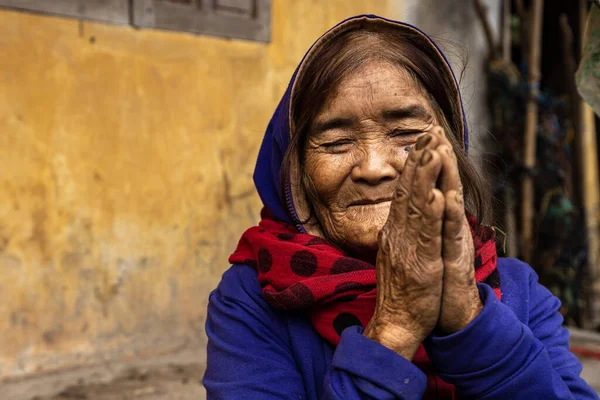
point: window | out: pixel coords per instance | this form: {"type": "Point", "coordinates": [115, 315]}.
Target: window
{"type": "Point", "coordinates": [243, 19]}
{"type": "Point", "coordinates": [116, 11]}
{"type": "Point", "coordinates": [240, 19]}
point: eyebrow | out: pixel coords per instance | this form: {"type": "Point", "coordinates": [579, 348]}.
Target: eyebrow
{"type": "Point", "coordinates": [415, 111]}
{"type": "Point", "coordinates": [330, 124]}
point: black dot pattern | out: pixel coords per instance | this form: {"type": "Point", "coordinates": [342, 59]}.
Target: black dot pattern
{"type": "Point", "coordinates": [347, 298]}
{"type": "Point", "coordinates": [347, 264]}
{"type": "Point", "coordinates": [300, 272]}
{"type": "Point", "coordinates": [285, 236]}
{"type": "Point", "coordinates": [304, 263]}
{"type": "Point", "coordinates": [318, 241]}
{"type": "Point", "coordinates": [344, 320]}
{"type": "Point", "coordinates": [265, 261]}
{"type": "Point", "coordinates": [347, 286]}
{"type": "Point", "coordinates": [295, 297]}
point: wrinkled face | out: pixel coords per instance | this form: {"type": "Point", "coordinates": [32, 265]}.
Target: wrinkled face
{"type": "Point", "coordinates": [357, 147]}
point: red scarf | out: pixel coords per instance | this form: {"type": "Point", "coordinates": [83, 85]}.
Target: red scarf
{"type": "Point", "coordinates": [298, 271]}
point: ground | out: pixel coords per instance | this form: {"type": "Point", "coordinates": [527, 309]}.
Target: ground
{"type": "Point", "coordinates": [178, 376]}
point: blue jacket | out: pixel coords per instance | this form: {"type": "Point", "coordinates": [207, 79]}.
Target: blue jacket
{"type": "Point", "coordinates": [516, 348]}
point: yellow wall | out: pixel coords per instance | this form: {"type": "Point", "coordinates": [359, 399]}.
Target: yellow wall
{"type": "Point", "coordinates": [125, 174]}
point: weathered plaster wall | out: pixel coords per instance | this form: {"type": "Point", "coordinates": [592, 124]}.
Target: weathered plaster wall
{"type": "Point", "coordinates": [125, 175]}
{"type": "Point", "coordinates": [457, 29]}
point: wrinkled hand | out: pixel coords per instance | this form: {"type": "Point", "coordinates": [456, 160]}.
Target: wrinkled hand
{"type": "Point", "coordinates": [460, 298]}
{"type": "Point", "coordinates": [425, 262]}
{"type": "Point", "coordinates": [409, 261]}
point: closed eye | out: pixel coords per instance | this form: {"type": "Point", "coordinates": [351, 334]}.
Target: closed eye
{"type": "Point", "coordinates": [336, 145]}
{"type": "Point", "coordinates": [404, 132]}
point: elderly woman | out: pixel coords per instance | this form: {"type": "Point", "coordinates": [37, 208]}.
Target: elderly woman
{"type": "Point", "coordinates": [369, 276]}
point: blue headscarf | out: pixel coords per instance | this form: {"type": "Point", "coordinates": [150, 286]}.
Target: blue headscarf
{"type": "Point", "coordinates": [277, 136]}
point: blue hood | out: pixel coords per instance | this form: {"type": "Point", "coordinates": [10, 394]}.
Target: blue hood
{"type": "Point", "coordinates": [267, 179]}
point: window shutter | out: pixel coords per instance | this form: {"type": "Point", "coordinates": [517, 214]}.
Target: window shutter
{"type": "Point", "coordinates": [241, 19]}
{"type": "Point", "coordinates": [115, 11]}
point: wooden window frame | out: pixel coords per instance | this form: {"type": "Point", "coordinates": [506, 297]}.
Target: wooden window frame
{"type": "Point", "coordinates": [240, 19]}
{"type": "Point", "coordinates": [235, 19]}
{"type": "Point", "coordinates": [112, 11]}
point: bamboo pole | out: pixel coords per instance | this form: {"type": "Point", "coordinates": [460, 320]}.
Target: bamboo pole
{"type": "Point", "coordinates": [531, 123]}
{"type": "Point", "coordinates": [588, 157]}
{"type": "Point", "coordinates": [510, 222]}
{"type": "Point", "coordinates": [570, 67]}
{"type": "Point", "coordinates": [589, 168]}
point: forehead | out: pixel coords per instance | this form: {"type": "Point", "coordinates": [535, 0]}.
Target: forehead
{"type": "Point", "coordinates": [375, 85]}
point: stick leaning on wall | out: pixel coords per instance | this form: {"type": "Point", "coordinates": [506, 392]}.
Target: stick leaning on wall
{"type": "Point", "coordinates": [531, 123]}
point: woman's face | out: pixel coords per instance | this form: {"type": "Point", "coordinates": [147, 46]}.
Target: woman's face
{"type": "Point", "coordinates": [357, 147]}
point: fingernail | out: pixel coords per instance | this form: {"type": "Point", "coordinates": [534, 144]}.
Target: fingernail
{"type": "Point", "coordinates": [423, 141]}
{"type": "Point", "coordinates": [459, 197]}
{"type": "Point", "coordinates": [427, 156]}
{"type": "Point", "coordinates": [431, 198]}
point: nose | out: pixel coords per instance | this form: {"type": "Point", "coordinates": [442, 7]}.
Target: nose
{"type": "Point", "coordinates": [375, 165]}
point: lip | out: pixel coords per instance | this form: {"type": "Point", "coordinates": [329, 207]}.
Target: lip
{"type": "Point", "coordinates": [370, 202]}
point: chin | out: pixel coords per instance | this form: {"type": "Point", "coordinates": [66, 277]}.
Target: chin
{"type": "Point", "coordinates": [361, 234]}
{"type": "Point", "coordinates": [357, 228]}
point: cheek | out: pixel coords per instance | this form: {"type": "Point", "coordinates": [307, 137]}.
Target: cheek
{"type": "Point", "coordinates": [327, 173]}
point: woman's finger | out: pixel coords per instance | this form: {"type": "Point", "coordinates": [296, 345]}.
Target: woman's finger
{"type": "Point", "coordinates": [424, 181]}
{"type": "Point", "coordinates": [429, 242]}
{"type": "Point", "coordinates": [399, 205]}
{"type": "Point", "coordinates": [449, 177]}
{"type": "Point", "coordinates": [454, 228]}
{"type": "Point", "coordinates": [460, 297]}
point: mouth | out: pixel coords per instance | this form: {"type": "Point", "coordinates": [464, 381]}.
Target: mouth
{"type": "Point", "coordinates": [370, 202]}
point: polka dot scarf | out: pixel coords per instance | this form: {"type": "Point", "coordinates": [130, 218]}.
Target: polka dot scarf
{"type": "Point", "coordinates": [303, 272]}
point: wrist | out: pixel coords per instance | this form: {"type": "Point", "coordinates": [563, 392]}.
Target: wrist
{"type": "Point", "coordinates": [476, 308]}
{"type": "Point", "coordinates": [398, 339]}
{"type": "Point", "coordinates": [470, 311]}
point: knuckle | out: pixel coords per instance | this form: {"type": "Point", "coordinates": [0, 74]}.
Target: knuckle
{"type": "Point", "coordinates": [402, 192]}
{"type": "Point", "coordinates": [425, 272]}
{"type": "Point", "coordinates": [413, 210]}
{"type": "Point", "coordinates": [433, 212]}
{"type": "Point", "coordinates": [414, 157]}
{"type": "Point", "coordinates": [445, 149]}
{"type": "Point", "coordinates": [452, 241]}
{"type": "Point", "coordinates": [429, 247]}
{"type": "Point", "coordinates": [428, 239]}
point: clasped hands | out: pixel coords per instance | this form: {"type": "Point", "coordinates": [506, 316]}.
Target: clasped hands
{"type": "Point", "coordinates": [425, 262]}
